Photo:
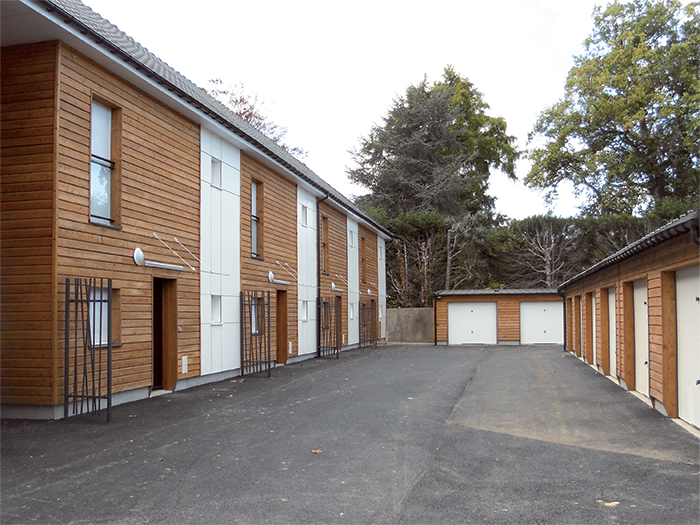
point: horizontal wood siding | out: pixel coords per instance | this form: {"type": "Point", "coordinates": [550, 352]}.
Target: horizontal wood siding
{"type": "Point", "coordinates": [159, 166]}
{"type": "Point", "coordinates": [338, 261]}
{"type": "Point", "coordinates": [651, 265]}
{"type": "Point", "coordinates": [278, 218]}
{"type": "Point", "coordinates": [27, 356]}
{"type": "Point", "coordinates": [507, 307]}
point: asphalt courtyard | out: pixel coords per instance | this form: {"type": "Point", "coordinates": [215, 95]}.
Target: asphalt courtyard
{"type": "Point", "coordinates": [396, 434]}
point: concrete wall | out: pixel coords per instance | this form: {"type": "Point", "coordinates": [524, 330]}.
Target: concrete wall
{"type": "Point", "coordinates": [410, 325]}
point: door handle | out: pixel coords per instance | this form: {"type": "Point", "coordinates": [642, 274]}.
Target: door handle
{"type": "Point", "coordinates": [697, 382]}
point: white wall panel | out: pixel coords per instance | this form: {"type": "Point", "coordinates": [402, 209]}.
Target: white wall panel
{"type": "Point", "coordinates": [354, 280]}
{"type": "Point", "coordinates": [381, 249]}
{"type": "Point", "coordinates": [306, 267]}
{"type": "Point", "coordinates": [220, 254]}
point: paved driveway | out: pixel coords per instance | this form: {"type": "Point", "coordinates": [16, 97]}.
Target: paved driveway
{"type": "Point", "coordinates": [397, 434]}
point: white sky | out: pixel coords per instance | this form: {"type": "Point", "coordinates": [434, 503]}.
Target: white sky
{"type": "Point", "coordinates": [329, 70]}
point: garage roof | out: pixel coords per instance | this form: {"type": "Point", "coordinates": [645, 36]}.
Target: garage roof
{"type": "Point", "coordinates": [514, 291]}
{"type": "Point", "coordinates": [681, 226]}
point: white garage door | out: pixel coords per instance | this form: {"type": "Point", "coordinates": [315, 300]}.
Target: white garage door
{"type": "Point", "coordinates": [471, 323]}
{"type": "Point", "coordinates": [541, 322]}
{"type": "Point", "coordinates": [687, 315]}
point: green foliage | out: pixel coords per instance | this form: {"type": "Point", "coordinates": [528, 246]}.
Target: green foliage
{"type": "Point", "coordinates": [627, 132]}
{"type": "Point", "coordinates": [434, 151]}
{"type": "Point", "coordinates": [427, 169]}
{"type": "Point", "coordinates": [545, 251]}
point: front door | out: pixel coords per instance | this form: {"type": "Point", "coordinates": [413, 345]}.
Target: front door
{"type": "Point", "coordinates": [164, 334]}
{"type": "Point", "coordinates": [282, 327]}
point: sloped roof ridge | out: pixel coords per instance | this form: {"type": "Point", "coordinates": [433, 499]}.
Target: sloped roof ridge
{"type": "Point", "coordinates": [121, 43]}
{"type": "Point", "coordinates": [683, 224]}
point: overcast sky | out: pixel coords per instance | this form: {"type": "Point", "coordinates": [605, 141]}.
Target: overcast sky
{"type": "Point", "coordinates": [329, 70]}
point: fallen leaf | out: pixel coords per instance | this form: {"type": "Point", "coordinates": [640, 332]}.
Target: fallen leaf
{"type": "Point", "coordinates": [316, 451]}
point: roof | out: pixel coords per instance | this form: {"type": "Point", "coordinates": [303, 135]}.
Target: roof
{"type": "Point", "coordinates": [514, 291]}
{"type": "Point", "coordinates": [110, 38]}
{"type": "Point", "coordinates": [681, 226]}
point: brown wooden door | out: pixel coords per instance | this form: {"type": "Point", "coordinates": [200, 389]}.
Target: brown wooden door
{"type": "Point", "coordinates": [282, 327]}
{"type": "Point", "coordinates": [164, 334]}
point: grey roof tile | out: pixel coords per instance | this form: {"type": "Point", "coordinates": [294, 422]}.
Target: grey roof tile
{"type": "Point", "coordinates": [110, 36]}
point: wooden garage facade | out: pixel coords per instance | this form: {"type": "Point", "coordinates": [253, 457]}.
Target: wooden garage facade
{"type": "Point", "coordinates": [634, 317]}
{"type": "Point", "coordinates": [498, 316]}
{"type": "Point", "coordinates": [116, 167]}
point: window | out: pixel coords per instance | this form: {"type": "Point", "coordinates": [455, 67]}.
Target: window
{"type": "Point", "coordinates": [257, 316]}
{"type": "Point", "coordinates": [304, 314]}
{"type": "Point", "coordinates": [352, 311]}
{"type": "Point", "coordinates": [215, 172]}
{"type": "Point", "coordinates": [324, 245]}
{"type": "Point", "coordinates": [216, 309]}
{"type": "Point", "coordinates": [351, 238]}
{"type": "Point", "coordinates": [363, 259]}
{"type": "Point", "coordinates": [98, 316]}
{"type": "Point", "coordinates": [104, 188]}
{"type": "Point", "coordinates": [256, 196]}
{"type": "Point", "coordinates": [326, 314]}
{"type": "Point", "coordinates": [304, 215]}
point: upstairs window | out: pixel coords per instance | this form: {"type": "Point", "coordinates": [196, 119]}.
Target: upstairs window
{"type": "Point", "coordinates": [256, 219]}
{"type": "Point", "coordinates": [215, 172]}
{"type": "Point", "coordinates": [101, 165]}
{"type": "Point", "coordinates": [325, 259]}
{"type": "Point", "coordinates": [363, 259]}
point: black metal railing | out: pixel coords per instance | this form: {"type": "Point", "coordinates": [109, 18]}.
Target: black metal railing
{"type": "Point", "coordinates": [329, 326]}
{"type": "Point", "coordinates": [255, 332]}
{"type": "Point", "coordinates": [87, 375]}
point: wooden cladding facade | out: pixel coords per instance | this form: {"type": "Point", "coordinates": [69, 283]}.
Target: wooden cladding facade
{"type": "Point", "coordinates": [27, 223]}
{"type": "Point", "coordinates": [68, 212]}
{"type": "Point", "coordinates": [277, 241]}
{"type": "Point", "coordinates": [507, 311]}
{"type": "Point", "coordinates": [47, 232]}
{"type": "Point", "coordinates": [588, 298]}
{"type": "Point", "coordinates": [337, 265]}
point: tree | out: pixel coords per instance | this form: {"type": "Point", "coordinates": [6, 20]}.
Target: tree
{"type": "Point", "coordinates": [434, 151]}
{"type": "Point", "coordinates": [536, 252]}
{"type": "Point", "coordinates": [251, 109]}
{"type": "Point", "coordinates": [427, 169]}
{"type": "Point", "coordinates": [627, 132]}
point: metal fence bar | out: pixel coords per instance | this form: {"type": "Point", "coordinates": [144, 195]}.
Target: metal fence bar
{"type": "Point", "coordinates": [87, 374]}
{"type": "Point", "coordinates": [255, 332]}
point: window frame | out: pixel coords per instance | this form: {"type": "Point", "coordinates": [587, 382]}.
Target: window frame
{"type": "Point", "coordinates": [101, 159]}
{"type": "Point", "coordinates": [256, 219]}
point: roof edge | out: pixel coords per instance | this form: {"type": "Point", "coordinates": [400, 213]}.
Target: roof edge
{"type": "Point", "coordinates": [680, 226]}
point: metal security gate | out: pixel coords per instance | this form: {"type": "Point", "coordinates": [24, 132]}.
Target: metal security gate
{"type": "Point", "coordinates": [255, 332]}
{"type": "Point", "coordinates": [87, 376]}
{"type": "Point", "coordinates": [368, 324]}
{"type": "Point", "coordinates": [329, 327]}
